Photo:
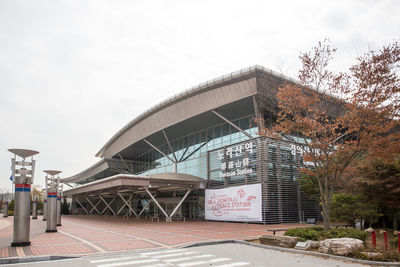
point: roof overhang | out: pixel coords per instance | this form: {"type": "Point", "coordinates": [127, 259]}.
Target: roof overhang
{"type": "Point", "coordinates": [134, 183]}
{"type": "Point", "coordinates": [190, 103]}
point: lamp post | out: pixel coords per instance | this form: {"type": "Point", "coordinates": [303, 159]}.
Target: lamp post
{"type": "Point", "coordinates": [52, 184]}
{"type": "Point", "coordinates": [23, 172]}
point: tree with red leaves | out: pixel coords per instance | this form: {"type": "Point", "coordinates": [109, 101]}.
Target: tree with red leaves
{"type": "Point", "coordinates": [341, 117]}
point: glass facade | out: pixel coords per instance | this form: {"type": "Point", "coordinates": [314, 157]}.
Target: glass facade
{"type": "Point", "coordinates": [191, 150]}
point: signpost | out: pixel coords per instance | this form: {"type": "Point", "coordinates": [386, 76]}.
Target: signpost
{"type": "Point", "coordinates": [23, 173]}
{"type": "Point", "coordinates": [52, 186]}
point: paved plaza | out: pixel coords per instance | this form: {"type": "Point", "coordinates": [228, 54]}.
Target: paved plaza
{"type": "Point", "coordinates": [219, 255]}
{"type": "Point", "coordinates": [89, 235]}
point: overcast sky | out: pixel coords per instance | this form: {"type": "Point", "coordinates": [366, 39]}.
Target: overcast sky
{"type": "Point", "coordinates": [73, 73]}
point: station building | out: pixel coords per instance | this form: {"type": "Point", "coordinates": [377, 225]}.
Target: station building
{"type": "Point", "coordinates": [166, 162]}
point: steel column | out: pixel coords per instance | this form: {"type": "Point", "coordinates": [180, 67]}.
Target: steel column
{"type": "Point", "coordinates": [107, 204]}
{"type": "Point", "coordinates": [144, 208]}
{"type": "Point", "coordinates": [126, 204]}
{"type": "Point", "coordinates": [167, 218]}
{"type": "Point", "coordinates": [80, 204]}
{"type": "Point", "coordinates": [180, 203]}
{"type": "Point", "coordinates": [93, 206]}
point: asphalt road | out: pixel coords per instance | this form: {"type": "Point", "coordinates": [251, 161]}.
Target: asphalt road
{"type": "Point", "coordinates": [220, 255]}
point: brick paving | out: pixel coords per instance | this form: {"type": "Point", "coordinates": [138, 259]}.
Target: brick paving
{"type": "Point", "coordinates": [83, 235]}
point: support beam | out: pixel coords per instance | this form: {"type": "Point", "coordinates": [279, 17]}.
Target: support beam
{"type": "Point", "coordinates": [145, 207]}
{"type": "Point", "coordinates": [184, 152]}
{"type": "Point", "coordinates": [168, 219]}
{"type": "Point", "coordinates": [80, 204]}
{"type": "Point", "coordinates": [107, 205]}
{"type": "Point", "coordinates": [197, 149]}
{"type": "Point", "coordinates": [162, 153]}
{"type": "Point", "coordinates": [232, 124]}
{"type": "Point", "coordinates": [126, 204]}
{"type": "Point", "coordinates": [180, 203]}
{"type": "Point", "coordinates": [126, 165]}
{"type": "Point", "coordinates": [169, 145]}
{"type": "Point", "coordinates": [93, 206]}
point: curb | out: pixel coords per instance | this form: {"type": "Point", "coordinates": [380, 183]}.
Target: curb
{"type": "Point", "coordinates": [295, 251]}
{"type": "Point", "coordinates": [33, 259]}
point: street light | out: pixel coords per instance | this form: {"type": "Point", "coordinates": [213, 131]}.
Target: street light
{"type": "Point", "coordinates": [52, 186]}
{"type": "Point", "coordinates": [22, 172]}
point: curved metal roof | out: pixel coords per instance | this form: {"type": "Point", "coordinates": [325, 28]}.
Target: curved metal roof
{"type": "Point", "coordinates": [188, 93]}
{"type": "Point", "coordinates": [206, 96]}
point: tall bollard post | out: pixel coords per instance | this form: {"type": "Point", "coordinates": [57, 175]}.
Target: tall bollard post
{"type": "Point", "coordinates": [23, 173]}
{"type": "Point", "coordinates": [5, 210]}
{"type": "Point", "coordinates": [45, 209]}
{"type": "Point", "coordinates": [52, 182]}
{"type": "Point", "coordinates": [386, 240]}
{"type": "Point", "coordinates": [34, 209]}
{"type": "Point", "coordinates": [373, 238]}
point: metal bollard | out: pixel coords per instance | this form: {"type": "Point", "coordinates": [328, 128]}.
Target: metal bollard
{"type": "Point", "coordinates": [22, 215]}
{"type": "Point", "coordinates": [5, 211]}
{"type": "Point", "coordinates": [51, 223]}
{"type": "Point", "coordinates": [44, 209]}
{"type": "Point", "coordinates": [58, 210]}
{"type": "Point", "coordinates": [373, 239]}
{"type": "Point", "coordinates": [34, 209]}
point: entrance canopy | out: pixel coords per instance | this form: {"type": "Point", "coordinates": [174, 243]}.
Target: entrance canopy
{"type": "Point", "coordinates": [136, 184]}
{"type": "Point", "coordinates": [126, 186]}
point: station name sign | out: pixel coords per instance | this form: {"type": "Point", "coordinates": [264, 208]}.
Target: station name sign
{"type": "Point", "coordinates": [235, 160]}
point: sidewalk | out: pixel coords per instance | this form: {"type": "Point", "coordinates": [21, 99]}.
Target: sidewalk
{"type": "Point", "coordinates": [84, 235]}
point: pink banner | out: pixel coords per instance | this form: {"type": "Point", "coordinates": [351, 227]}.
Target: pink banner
{"type": "Point", "coordinates": [238, 203]}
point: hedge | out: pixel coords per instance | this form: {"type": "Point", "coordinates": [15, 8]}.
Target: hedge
{"type": "Point", "coordinates": [318, 233]}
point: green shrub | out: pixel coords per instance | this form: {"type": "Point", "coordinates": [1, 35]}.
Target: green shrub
{"type": "Point", "coordinates": [318, 233]}
{"type": "Point", "coordinates": [308, 233]}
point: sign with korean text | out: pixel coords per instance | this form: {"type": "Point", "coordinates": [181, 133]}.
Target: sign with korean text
{"type": "Point", "coordinates": [238, 203]}
{"type": "Point", "coordinates": [235, 160]}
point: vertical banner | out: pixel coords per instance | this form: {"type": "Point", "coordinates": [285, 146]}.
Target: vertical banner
{"type": "Point", "coordinates": [238, 203]}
